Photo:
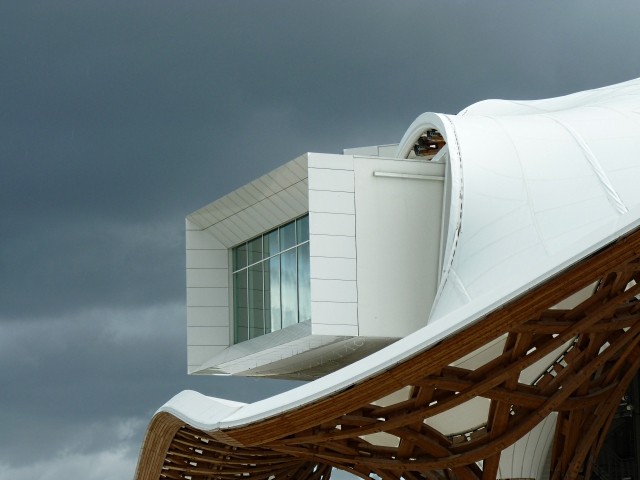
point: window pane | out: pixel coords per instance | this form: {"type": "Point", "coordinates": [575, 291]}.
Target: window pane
{"type": "Point", "coordinates": [302, 229]}
{"type": "Point", "coordinates": [240, 311]}
{"type": "Point", "coordinates": [271, 289]}
{"type": "Point", "coordinates": [240, 257]}
{"type": "Point", "coordinates": [287, 236]}
{"type": "Point", "coordinates": [255, 250]}
{"type": "Point", "coordinates": [271, 244]}
{"type": "Point", "coordinates": [273, 317]}
{"type": "Point", "coordinates": [289, 288]}
{"type": "Point", "coordinates": [256, 301]}
{"type": "Point", "coordinates": [304, 284]}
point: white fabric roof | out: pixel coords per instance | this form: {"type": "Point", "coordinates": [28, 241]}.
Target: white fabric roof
{"type": "Point", "coordinates": [537, 186]}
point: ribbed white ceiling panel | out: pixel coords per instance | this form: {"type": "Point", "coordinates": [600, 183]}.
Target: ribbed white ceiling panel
{"type": "Point", "coordinates": [265, 203]}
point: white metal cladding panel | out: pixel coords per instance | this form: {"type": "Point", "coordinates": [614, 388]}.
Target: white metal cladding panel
{"type": "Point", "coordinates": [286, 175]}
{"type": "Point", "coordinates": [242, 198]}
{"type": "Point", "coordinates": [277, 215]}
{"type": "Point", "coordinates": [200, 218]}
{"type": "Point", "coordinates": [265, 210]}
{"type": "Point", "coordinates": [202, 240]}
{"type": "Point", "coordinates": [273, 181]}
{"type": "Point", "coordinates": [190, 224]}
{"type": "Point", "coordinates": [251, 191]}
{"type": "Point", "coordinates": [269, 185]}
{"type": "Point", "coordinates": [302, 187]}
{"type": "Point", "coordinates": [299, 196]}
{"type": "Point", "coordinates": [255, 224]}
{"type": "Point", "coordinates": [199, 354]}
{"type": "Point", "coordinates": [284, 203]}
{"type": "Point", "coordinates": [207, 277]}
{"type": "Point", "coordinates": [207, 297]}
{"type": "Point", "coordinates": [387, 150]}
{"type": "Point", "coordinates": [266, 188]}
{"type": "Point", "coordinates": [332, 224]}
{"type": "Point", "coordinates": [201, 336]}
{"type": "Point", "coordinates": [331, 180]}
{"type": "Point", "coordinates": [208, 316]}
{"type": "Point", "coordinates": [373, 151]}
{"type": "Point", "coordinates": [333, 290]}
{"type": "Point", "coordinates": [335, 329]}
{"type": "Point", "coordinates": [398, 244]}
{"type": "Point", "coordinates": [299, 166]}
{"type": "Point", "coordinates": [236, 226]}
{"type": "Point", "coordinates": [334, 313]}
{"type": "Point", "coordinates": [330, 161]}
{"type": "Point", "coordinates": [224, 207]}
{"type": "Point", "coordinates": [370, 151]}
{"type": "Point", "coordinates": [223, 233]}
{"type": "Point", "coordinates": [330, 268]}
{"type": "Point", "coordinates": [332, 246]}
{"type": "Point", "coordinates": [331, 202]}
{"type": "Point", "coordinates": [207, 259]}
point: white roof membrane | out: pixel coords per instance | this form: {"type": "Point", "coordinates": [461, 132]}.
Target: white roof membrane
{"type": "Point", "coordinates": [536, 187]}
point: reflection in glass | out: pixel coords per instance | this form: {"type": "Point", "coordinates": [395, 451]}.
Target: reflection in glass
{"type": "Point", "coordinates": [271, 281]}
{"type": "Point", "coordinates": [256, 301]}
{"type": "Point", "coordinates": [287, 236]}
{"type": "Point", "coordinates": [302, 229]}
{"type": "Point", "coordinates": [272, 286]}
{"type": "Point", "coordinates": [240, 257]}
{"type": "Point", "coordinates": [255, 250]}
{"type": "Point", "coordinates": [289, 290]}
{"type": "Point", "coordinates": [304, 283]}
{"type": "Point", "coordinates": [271, 243]}
{"type": "Point", "coordinates": [240, 311]}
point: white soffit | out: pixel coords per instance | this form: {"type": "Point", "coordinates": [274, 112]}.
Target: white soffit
{"type": "Point", "coordinates": [261, 205]}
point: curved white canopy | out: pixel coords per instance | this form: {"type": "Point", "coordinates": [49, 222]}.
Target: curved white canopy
{"type": "Point", "coordinates": [537, 186]}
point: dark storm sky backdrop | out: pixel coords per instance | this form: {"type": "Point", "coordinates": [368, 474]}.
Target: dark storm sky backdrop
{"type": "Point", "coordinates": [118, 118]}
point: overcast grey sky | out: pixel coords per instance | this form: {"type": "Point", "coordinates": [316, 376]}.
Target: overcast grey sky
{"type": "Point", "coordinates": [118, 118]}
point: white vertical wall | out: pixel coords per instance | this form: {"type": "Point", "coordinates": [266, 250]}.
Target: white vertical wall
{"type": "Point", "coordinates": [332, 231]}
{"type": "Point", "coordinates": [375, 243]}
{"type": "Point", "coordinates": [207, 296]}
{"type": "Point", "coordinates": [398, 225]}
{"type": "Point", "coordinates": [374, 246]}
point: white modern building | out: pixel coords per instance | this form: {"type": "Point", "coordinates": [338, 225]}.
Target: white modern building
{"type": "Point", "coordinates": [467, 302]}
{"type": "Point", "coordinates": [317, 263]}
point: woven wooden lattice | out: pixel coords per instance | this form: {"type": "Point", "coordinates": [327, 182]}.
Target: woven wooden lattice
{"type": "Point", "coordinates": [599, 355]}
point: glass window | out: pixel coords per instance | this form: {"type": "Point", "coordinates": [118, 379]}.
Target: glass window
{"type": "Point", "coordinates": [271, 244]}
{"type": "Point", "coordinates": [254, 250]}
{"type": "Point", "coordinates": [287, 236]}
{"type": "Point", "coordinates": [272, 300]}
{"type": "Point", "coordinates": [304, 284]}
{"type": "Point", "coordinates": [240, 306]}
{"type": "Point", "coordinates": [271, 281]}
{"type": "Point", "coordinates": [240, 257]}
{"type": "Point", "coordinates": [302, 229]}
{"type": "Point", "coordinates": [289, 288]}
{"type": "Point", "coordinates": [256, 301]}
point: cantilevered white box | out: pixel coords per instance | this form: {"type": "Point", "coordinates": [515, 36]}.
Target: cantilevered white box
{"type": "Point", "coordinates": [374, 243]}
{"type": "Point", "coordinates": [508, 259]}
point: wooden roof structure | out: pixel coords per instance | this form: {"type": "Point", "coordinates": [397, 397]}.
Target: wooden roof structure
{"type": "Point", "coordinates": [532, 342]}
{"type": "Point", "coordinates": [583, 387]}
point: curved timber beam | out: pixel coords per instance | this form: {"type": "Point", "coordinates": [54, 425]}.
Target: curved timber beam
{"type": "Point", "coordinates": [595, 350]}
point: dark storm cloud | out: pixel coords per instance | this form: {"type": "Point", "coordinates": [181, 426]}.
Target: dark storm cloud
{"type": "Point", "coordinates": [62, 265]}
{"type": "Point", "coordinates": [118, 118]}
{"type": "Point", "coordinates": [83, 379]}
